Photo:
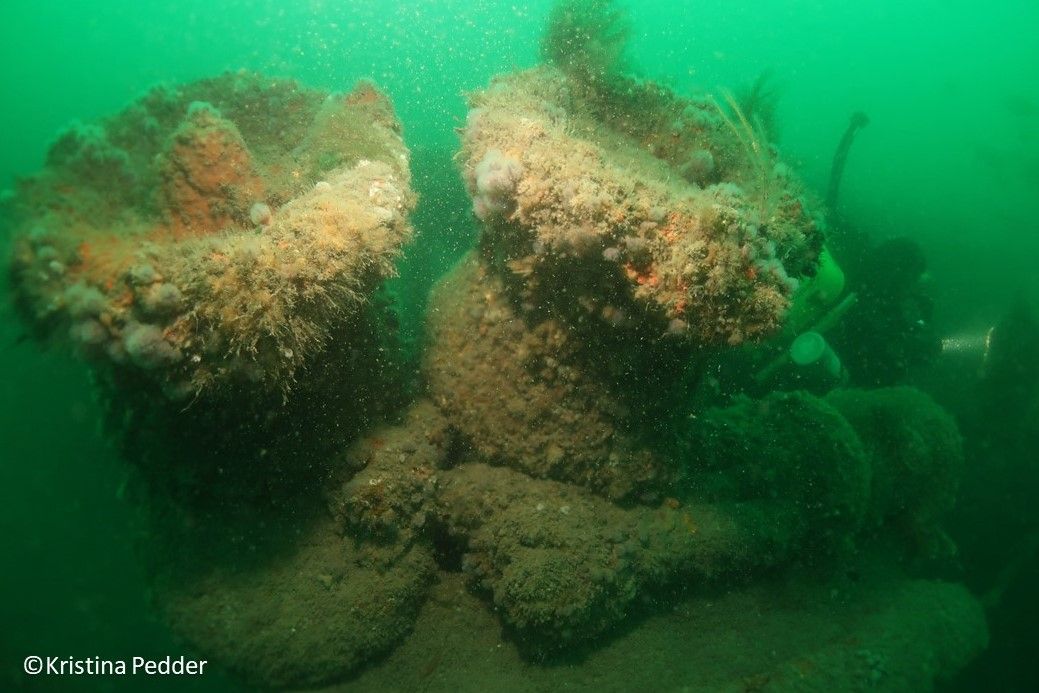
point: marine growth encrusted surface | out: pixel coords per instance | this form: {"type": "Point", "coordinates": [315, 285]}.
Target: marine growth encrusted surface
{"type": "Point", "coordinates": [647, 207]}
{"type": "Point", "coordinates": [767, 485]}
{"type": "Point", "coordinates": [212, 235]}
{"type": "Point", "coordinates": [560, 489]}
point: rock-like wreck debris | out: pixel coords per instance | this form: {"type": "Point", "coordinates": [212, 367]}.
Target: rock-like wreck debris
{"type": "Point", "coordinates": [212, 236]}
{"type": "Point", "coordinates": [638, 200]}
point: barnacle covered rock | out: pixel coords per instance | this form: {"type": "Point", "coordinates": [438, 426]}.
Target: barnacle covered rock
{"type": "Point", "coordinates": [213, 236]}
{"type": "Point", "coordinates": [527, 390]}
{"type": "Point", "coordinates": [614, 194]}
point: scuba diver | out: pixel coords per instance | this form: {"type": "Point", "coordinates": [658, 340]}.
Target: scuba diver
{"type": "Point", "coordinates": [864, 321]}
{"type": "Point", "coordinates": [888, 332]}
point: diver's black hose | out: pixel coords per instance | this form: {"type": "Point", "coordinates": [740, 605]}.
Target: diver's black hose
{"type": "Point", "coordinates": [858, 120]}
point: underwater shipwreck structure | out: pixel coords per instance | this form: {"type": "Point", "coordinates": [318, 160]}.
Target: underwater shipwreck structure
{"type": "Point", "coordinates": [218, 253]}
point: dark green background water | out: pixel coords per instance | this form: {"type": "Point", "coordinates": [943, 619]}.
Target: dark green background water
{"type": "Point", "coordinates": [951, 158]}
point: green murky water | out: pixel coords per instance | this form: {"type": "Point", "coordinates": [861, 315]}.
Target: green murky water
{"type": "Point", "coordinates": [948, 165]}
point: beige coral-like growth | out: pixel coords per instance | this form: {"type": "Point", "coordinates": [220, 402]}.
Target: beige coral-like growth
{"type": "Point", "coordinates": [204, 245]}
{"type": "Point", "coordinates": [652, 196]}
